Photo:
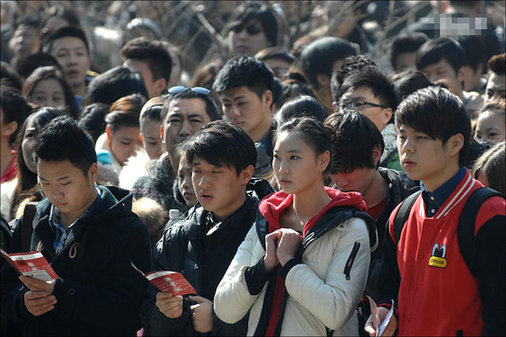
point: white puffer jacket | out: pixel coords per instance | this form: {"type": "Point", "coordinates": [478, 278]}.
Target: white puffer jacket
{"type": "Point", "coordinates": [320, 295]}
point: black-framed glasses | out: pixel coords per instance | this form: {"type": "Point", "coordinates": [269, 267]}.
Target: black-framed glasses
{"type": "Point", "coordinates": [251, 29]}
{"type": "Point", "coordinates": [181, 88]}
{"type": "Point", "coordinates": [358, 103]}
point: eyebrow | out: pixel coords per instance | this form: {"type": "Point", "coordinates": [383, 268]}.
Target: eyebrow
{"type": "Point", "coordinates": [290, 151]}
{"type": "Point", "coordinates": [235, 98]}
{"type": "Point", "coordinates": [61, 178]}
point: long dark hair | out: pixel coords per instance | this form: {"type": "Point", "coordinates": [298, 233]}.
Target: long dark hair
{"type": "Point", "coordinates": [52, 72]}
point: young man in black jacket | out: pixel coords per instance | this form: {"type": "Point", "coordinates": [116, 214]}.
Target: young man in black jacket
{"type": "Point", "coordinates": [89, 236]}
{"type": "Point", "coordinates": [356, 169]}
{"type": "Point", "coordinates": [222, 157]}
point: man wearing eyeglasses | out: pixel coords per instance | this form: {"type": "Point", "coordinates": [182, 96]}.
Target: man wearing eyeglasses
{"type": "Point", "coordinates": [372, 93]}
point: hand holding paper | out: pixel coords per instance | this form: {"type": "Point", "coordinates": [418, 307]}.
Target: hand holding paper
{"type": "Point", "coordinates": [382, 316]}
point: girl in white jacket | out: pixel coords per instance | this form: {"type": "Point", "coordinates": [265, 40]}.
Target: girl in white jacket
{"type": "Point", "coordinates": [302, 268]}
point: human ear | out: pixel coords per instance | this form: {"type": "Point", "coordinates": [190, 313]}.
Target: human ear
{"type": "Point", "coordinates": [141, 137]}
{"type": "Point", "coordinates": [93, 173]}
{"type": "Point", "coordinates": [376, 154]}
{"type": "Point", "coordinates": [387, 116]}
{"type": "Point", "coordinates": [323, 80]}
{"type": "Point", "coordinates": [160, 84]}
{"type": "Point", "coordinates": [335, 106]}
{"type": "Point", "coordinates": [9, 128]}
{"type": "Point", "coordinates": [461, 74]}
{"type": "Point", "coordinates": [267, 98]}
{"type": "Point", "coordinates": [246, 174]}
{"type": "Point", "coordinates": [455, 144]}
{"type": "Point", "coordinates": [108, 131]}
{"type": "Point", "coordinates": [323, 161]}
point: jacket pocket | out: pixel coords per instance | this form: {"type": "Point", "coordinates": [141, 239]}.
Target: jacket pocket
{"type": "Point", "coordinates": [351, 259]}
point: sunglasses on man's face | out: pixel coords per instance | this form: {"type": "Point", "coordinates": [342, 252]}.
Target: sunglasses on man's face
{"type": "Point", "coordinates": [251, 29]}
{"type": "Point", "coordinates": [181, 88]}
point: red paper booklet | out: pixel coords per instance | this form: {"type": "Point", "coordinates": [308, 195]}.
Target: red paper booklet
{"type": "Point", "coordinates": [32, 264]}
{"type": "Point", "coordinates": [168, 281]}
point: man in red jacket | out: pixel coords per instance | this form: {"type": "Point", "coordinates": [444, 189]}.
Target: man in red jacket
{"type": "Point", "coordinates": [424, 271]}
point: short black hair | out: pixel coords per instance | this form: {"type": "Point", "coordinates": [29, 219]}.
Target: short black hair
{"type": "Point", "coordinates": [405, 44]}
{"type": "Point", "coordinates": [313, 132]}
{"type": "Point", "coordinates": [113, 84]}
{"type": "Point", "coordinates": [434, 50]}
{"type": "Point", "coordinates": [222, 144]}
{"type": "Point", "coordinates": [262, 13]}
{"type": "Point", "coordinates": [372, 78]}
{"type": "Point", "coordinates": [350, 65]}
{"type": "Point", "coordinates": [474, 49]}
{"type": "Point", "coordinates": [27, 65]}
{"type": "Point", "coordinates": [438, 113]}
{"type": "Point", "coordinates": [409, 81]}
{"type": "Point", "coordinates": [10, 77]}
{"type": "Point", "coordinates": [301, 106]}
{"type": "Point", "coordinates": [93, 119]}
{"type": "Point", "coordinates": [153, 53]}
{"type": "Point", "coordinates": [14, 107]}
{"type": "Point", "coordinates": [245, 71]}
{"type": "Point", "coordinates": [211, 107]}
{"type": "Point", "coordinates": [319, 56]}
{"type": "Point", "coordinates": [67, 31]}
{"type": "Point", "coordinates": [60, 11]}
{"type": "Point", "coordinates": [63, 140]}
{"type": "Point", "coordinates": [355, 137]}
{"type": "Point", "coordinates": [273, 53]}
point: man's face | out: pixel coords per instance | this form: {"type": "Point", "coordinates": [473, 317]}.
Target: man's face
{"type": "Point", "coordinates": [184, 181]}
{"type": "Point", "coordinates": [245, 109]}
{"type": "Point", "coordinates": [363, 96]}
{"type": "Point", "coordinates": [67, 187]}
{"type": "Point", "coordinates": [25, 40]}
{"type": "Point", "coordinates": [406, 61]}
{"type": "Point", "coordinates": [422, 157]}
{"type": "Point", "coordinates": [358, 180]}
{"type": "Point", "coordinates": [73, 56]}
{"type": "Point", "coordinates": [496, 87]}
{"type": "Point", "coordinates": [219, 189]}
{"type": "Point", "coordinates": [151, 139]}
{"type": "Point", "coordinates": [248, 39]}
{"type": "Point", "coordinates": [185, 117]}
{"type": "Point", "coordinates": [442, 70]}
{"type": "Point", "coordinates": [154, 87]}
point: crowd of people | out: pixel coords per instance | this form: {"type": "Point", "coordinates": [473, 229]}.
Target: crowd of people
{"type": "Point", "coordinates": [312, 178]}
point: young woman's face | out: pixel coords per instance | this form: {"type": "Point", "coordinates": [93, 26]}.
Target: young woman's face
{"type": "Point", "coordinates": [31, 132]}
{"type": "Point", "coordinates": [124, 142]}
{"type": "Point", "coordinates": [48, 93]}
{"type": "Point", "coordinates": [490, 127]}
{"type": "Point", "coordinates": [296, 166]}
{"type": "Point", "coordinates": [184, 182]}
{"type": "Point", "coordinates": [247, 39]}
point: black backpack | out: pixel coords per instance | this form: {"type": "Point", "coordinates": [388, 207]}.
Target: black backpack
{"type": "Point", "coordinates": [465, 227]}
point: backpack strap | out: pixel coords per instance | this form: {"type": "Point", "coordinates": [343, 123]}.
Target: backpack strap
{"type": "Point", "coordinates": [466, 225]}
{"type": "Point", "coordinates": [402, 214]}
{"type": "Point", "coordinates": [27, 225]}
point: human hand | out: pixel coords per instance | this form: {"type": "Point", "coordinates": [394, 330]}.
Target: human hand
{"type": "Point", "coordinates": [202, 314]}
{"type": "Point", "coordinates": [287, 245]}
{"type": "Point", "coordinates": [169, 305]}
{"type": "Point", "coordinates": [37, 285]}
{"type": "Point", "coordinates": [39, 302]}
{"type": "Point", "coordinates": [389, 329]}
{"type": "Point", "coordinates": [271, 243]}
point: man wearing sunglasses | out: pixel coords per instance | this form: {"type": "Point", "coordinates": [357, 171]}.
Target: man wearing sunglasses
{"type": "Point", "coordinates": [184, 113]}
{"type": "Point", "coordinates": [253, 27]}
{"type": "Point", "coordinates": [372, 93]}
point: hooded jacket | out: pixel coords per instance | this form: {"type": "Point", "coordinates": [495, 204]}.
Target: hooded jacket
{"type": "Point", "coordinates": [98, 292]}
{"type": "Point", "coordinates": [323, 289]}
